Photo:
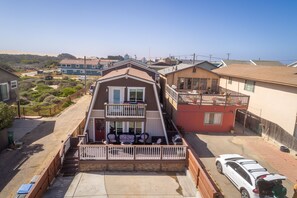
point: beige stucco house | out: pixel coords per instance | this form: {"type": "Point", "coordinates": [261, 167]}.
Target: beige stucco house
{"type": "Point", "coordinates": [272, 91]}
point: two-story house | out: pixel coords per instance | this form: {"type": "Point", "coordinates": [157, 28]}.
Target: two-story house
{"type": "Point", "coordinates": [125, 100]}
{"type": "Point", "coordinates": [190, 95]}
{"type": "Point", "coordinates": [77, 66]}
{"type": "Point", "coordinates": [8, 86]}
{"type": "Point", "coordinates": [273, 97]}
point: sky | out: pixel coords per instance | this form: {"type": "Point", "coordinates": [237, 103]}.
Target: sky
{"type": "Point", "coordinates": [247, 29]}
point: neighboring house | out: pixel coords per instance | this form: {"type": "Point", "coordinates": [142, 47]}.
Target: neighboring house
{"type": "Point", "coordinates": [225, 63]}
{"type": "Point", "coordinates": [273, 96]}
{"type": "Point", "coordinates": [8, 86]}
{"type": "Point", "coordinates": [77, 67]}
{"type": "Point", "coordinates": [190, 96]}
{"type": "Point", "coordinates": [125, 100]}
{"type": "Point", "coordinates": [132, 63]}
{"type": "Point", "coordinates": [294, 64]}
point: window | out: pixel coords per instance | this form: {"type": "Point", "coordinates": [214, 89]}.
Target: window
{"type": "Point", "coordinates": [116, 127]}
{"type": "Point", "coordinates": [194, 69]}
{"type": "Point", "coordinates": [14, 84]}
{"type": "Point", "coordinates": [189, 83]}
{"type": "Point", "coordinates": [136, 94]}
{"type": "Point", "coordinates": [203, 83]}
{"type": "Point", "coordinates": [213, 118]}
{"type": "Point", "coordinates": [135, 127]}
{"type": "Point", "coordinates": [195, 83]}
{"type": "Point", "coordinates": [81, 71]}
{"type": "Point", "coordinates": [4, 92]}
{"type": "Point", "coordinates": [244, 175]}
{"type": "Point", "coordinates": [181, 83]}
{"type": "Point", "coordinates": [249, 86]}
{"type": "Point", "coordinates": [230, 81]}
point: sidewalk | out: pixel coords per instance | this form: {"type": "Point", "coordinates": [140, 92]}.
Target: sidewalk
{"type": "Point", "coordinates": [19, 166]}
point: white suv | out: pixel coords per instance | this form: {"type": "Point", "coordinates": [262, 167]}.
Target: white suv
{"type": "Point", "coordinates": [249, 177]}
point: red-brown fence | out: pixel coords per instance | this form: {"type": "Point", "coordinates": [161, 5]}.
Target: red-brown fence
{"type": "Point", "coordinates": [202, 180]}
{"type": "Point", "coordinates": [51, 170]}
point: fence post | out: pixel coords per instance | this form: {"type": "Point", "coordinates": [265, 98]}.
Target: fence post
{"type": "Point", "coordinates": [106, 152]}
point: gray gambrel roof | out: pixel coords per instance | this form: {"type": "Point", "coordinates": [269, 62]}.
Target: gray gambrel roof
{"type": "Point", "coordinates": [171, 69]}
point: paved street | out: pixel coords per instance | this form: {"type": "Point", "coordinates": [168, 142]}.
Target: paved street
{"type": "Point", "coordinates": [123, 184]}
{"type": "Point", "coordinates": [19, 166]}
{"type": "Point", "coordinates": [209, 146]}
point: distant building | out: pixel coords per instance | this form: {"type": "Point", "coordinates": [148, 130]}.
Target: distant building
{"type": "Point", "coordinates": [76, 66]}
{"type": "Point", "coordinates": [225, 63]}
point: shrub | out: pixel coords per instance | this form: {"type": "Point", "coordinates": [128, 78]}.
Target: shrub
{"type": "Point", "coordinates": [43, 96]}
{"type": "Point", "coordinates": [6, 115]}
{"type": "Point", "coordinates": [67, 103]}
{"type": "Point", "coordinates": [26, 85]}
{"type": "Point", "coordinates": [56, 100]}
{"type": "Point", "coordinates": [65, 78]}
{"type": "Point", "coordinates": [49, 98]}
{"type": "Point", "coordinates": [40, 82]}
{"type": "Point", "coordinates": [67, 91]}
{"type": "Point", "coordinates": [45, 104]}
{"type": "Point", "coordinates": [43, 88]}
{"type": "Point", "coordinates": [24, 101]}
{"type": "Point", "coordinates": [78, 87]}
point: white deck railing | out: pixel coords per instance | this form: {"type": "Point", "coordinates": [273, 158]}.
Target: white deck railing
{"type": "Point", "coordinates": [125, 110]}
{"type": "Point", "coordinates": [132, 152]}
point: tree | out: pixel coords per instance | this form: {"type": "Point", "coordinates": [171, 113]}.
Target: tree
{"type": "Point", "coordinates": [66, 56]}
{"type": "Point", "coordinates": [6, 115]}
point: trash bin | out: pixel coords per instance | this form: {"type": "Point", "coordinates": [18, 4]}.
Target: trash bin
{"type": "Point", "coordinates": [10, 138]}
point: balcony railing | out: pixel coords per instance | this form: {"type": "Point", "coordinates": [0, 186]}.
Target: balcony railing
{"type": "Point", "coordinates": [228, 99]}
{"type": "Point", "coordinates": [125, 110]}
{"type": "Point", "coordinates": [132, 152]}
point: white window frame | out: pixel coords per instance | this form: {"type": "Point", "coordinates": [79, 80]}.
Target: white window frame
{"type": "Point", "coordinates": [7, 91]}
{"type": "Point", "coordinates": [249, 85]}
{"type": "Point", "coordinates": [216, 115]}
{"type": "Point", "coordinates": [110, 94]}
{"type": "Point", "coordinates": [143, 91]}
{"type": "Point", "coordinates": [14, 84]}
{"type": "Point", "coordinates": [128, 123]}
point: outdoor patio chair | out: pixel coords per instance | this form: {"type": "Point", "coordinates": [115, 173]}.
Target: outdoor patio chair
{"type": "Point", "coordinates": [143, 138]}
{"type": "Point", "coordinates": [158, 142]}
{"type": "Point", "coordinates": [111, 138]}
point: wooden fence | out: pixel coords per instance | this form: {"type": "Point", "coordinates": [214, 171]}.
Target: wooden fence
{"type": "Point", "coordinates": [51, 170]}
{"type": "Point", "coordinates": [202, 180]}
{"type": "Point", "coordinates": [267, 128]}
{"type": "Point", "coordinates": [48, 110]}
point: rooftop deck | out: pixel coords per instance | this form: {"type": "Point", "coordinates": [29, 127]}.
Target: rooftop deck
{"type": "Point", "coordinates": [229, 98]}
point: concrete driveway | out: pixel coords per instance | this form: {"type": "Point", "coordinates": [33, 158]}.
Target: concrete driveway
{"type": "Point", "coordinates": [209, 145]}
{"type": "Point", "coordinates": [123, 184]}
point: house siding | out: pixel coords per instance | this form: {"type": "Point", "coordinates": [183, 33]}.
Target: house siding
{"type": "Point", "coordinates": [275, 103]}
{"type": "Point", "coordinates": [6, 77]}
{"type": "Point", "coordinates": [191, 118]}
{"type": "Point", "coordinates": [172, 79]}
{"type": "Point", "coordinates": [102, 96]}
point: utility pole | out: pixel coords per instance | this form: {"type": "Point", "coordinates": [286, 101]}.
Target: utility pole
{"type": "Point", "coordinates": [194, 58]}
{"type": "Point", "coordinates": [228, 54]}
{"type": "Point", "coordinates": [210, 57]}
{"type": "Point", "coordinates": [85, 75]}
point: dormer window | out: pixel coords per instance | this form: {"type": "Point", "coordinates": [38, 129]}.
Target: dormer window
{"type": "Point", "coordinates": [136, 94]}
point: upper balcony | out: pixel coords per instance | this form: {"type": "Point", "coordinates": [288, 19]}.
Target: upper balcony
{"type": "Point", "coordinates": [229, 98]}
{"type": "Point", "coordinates": [125, 110]}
